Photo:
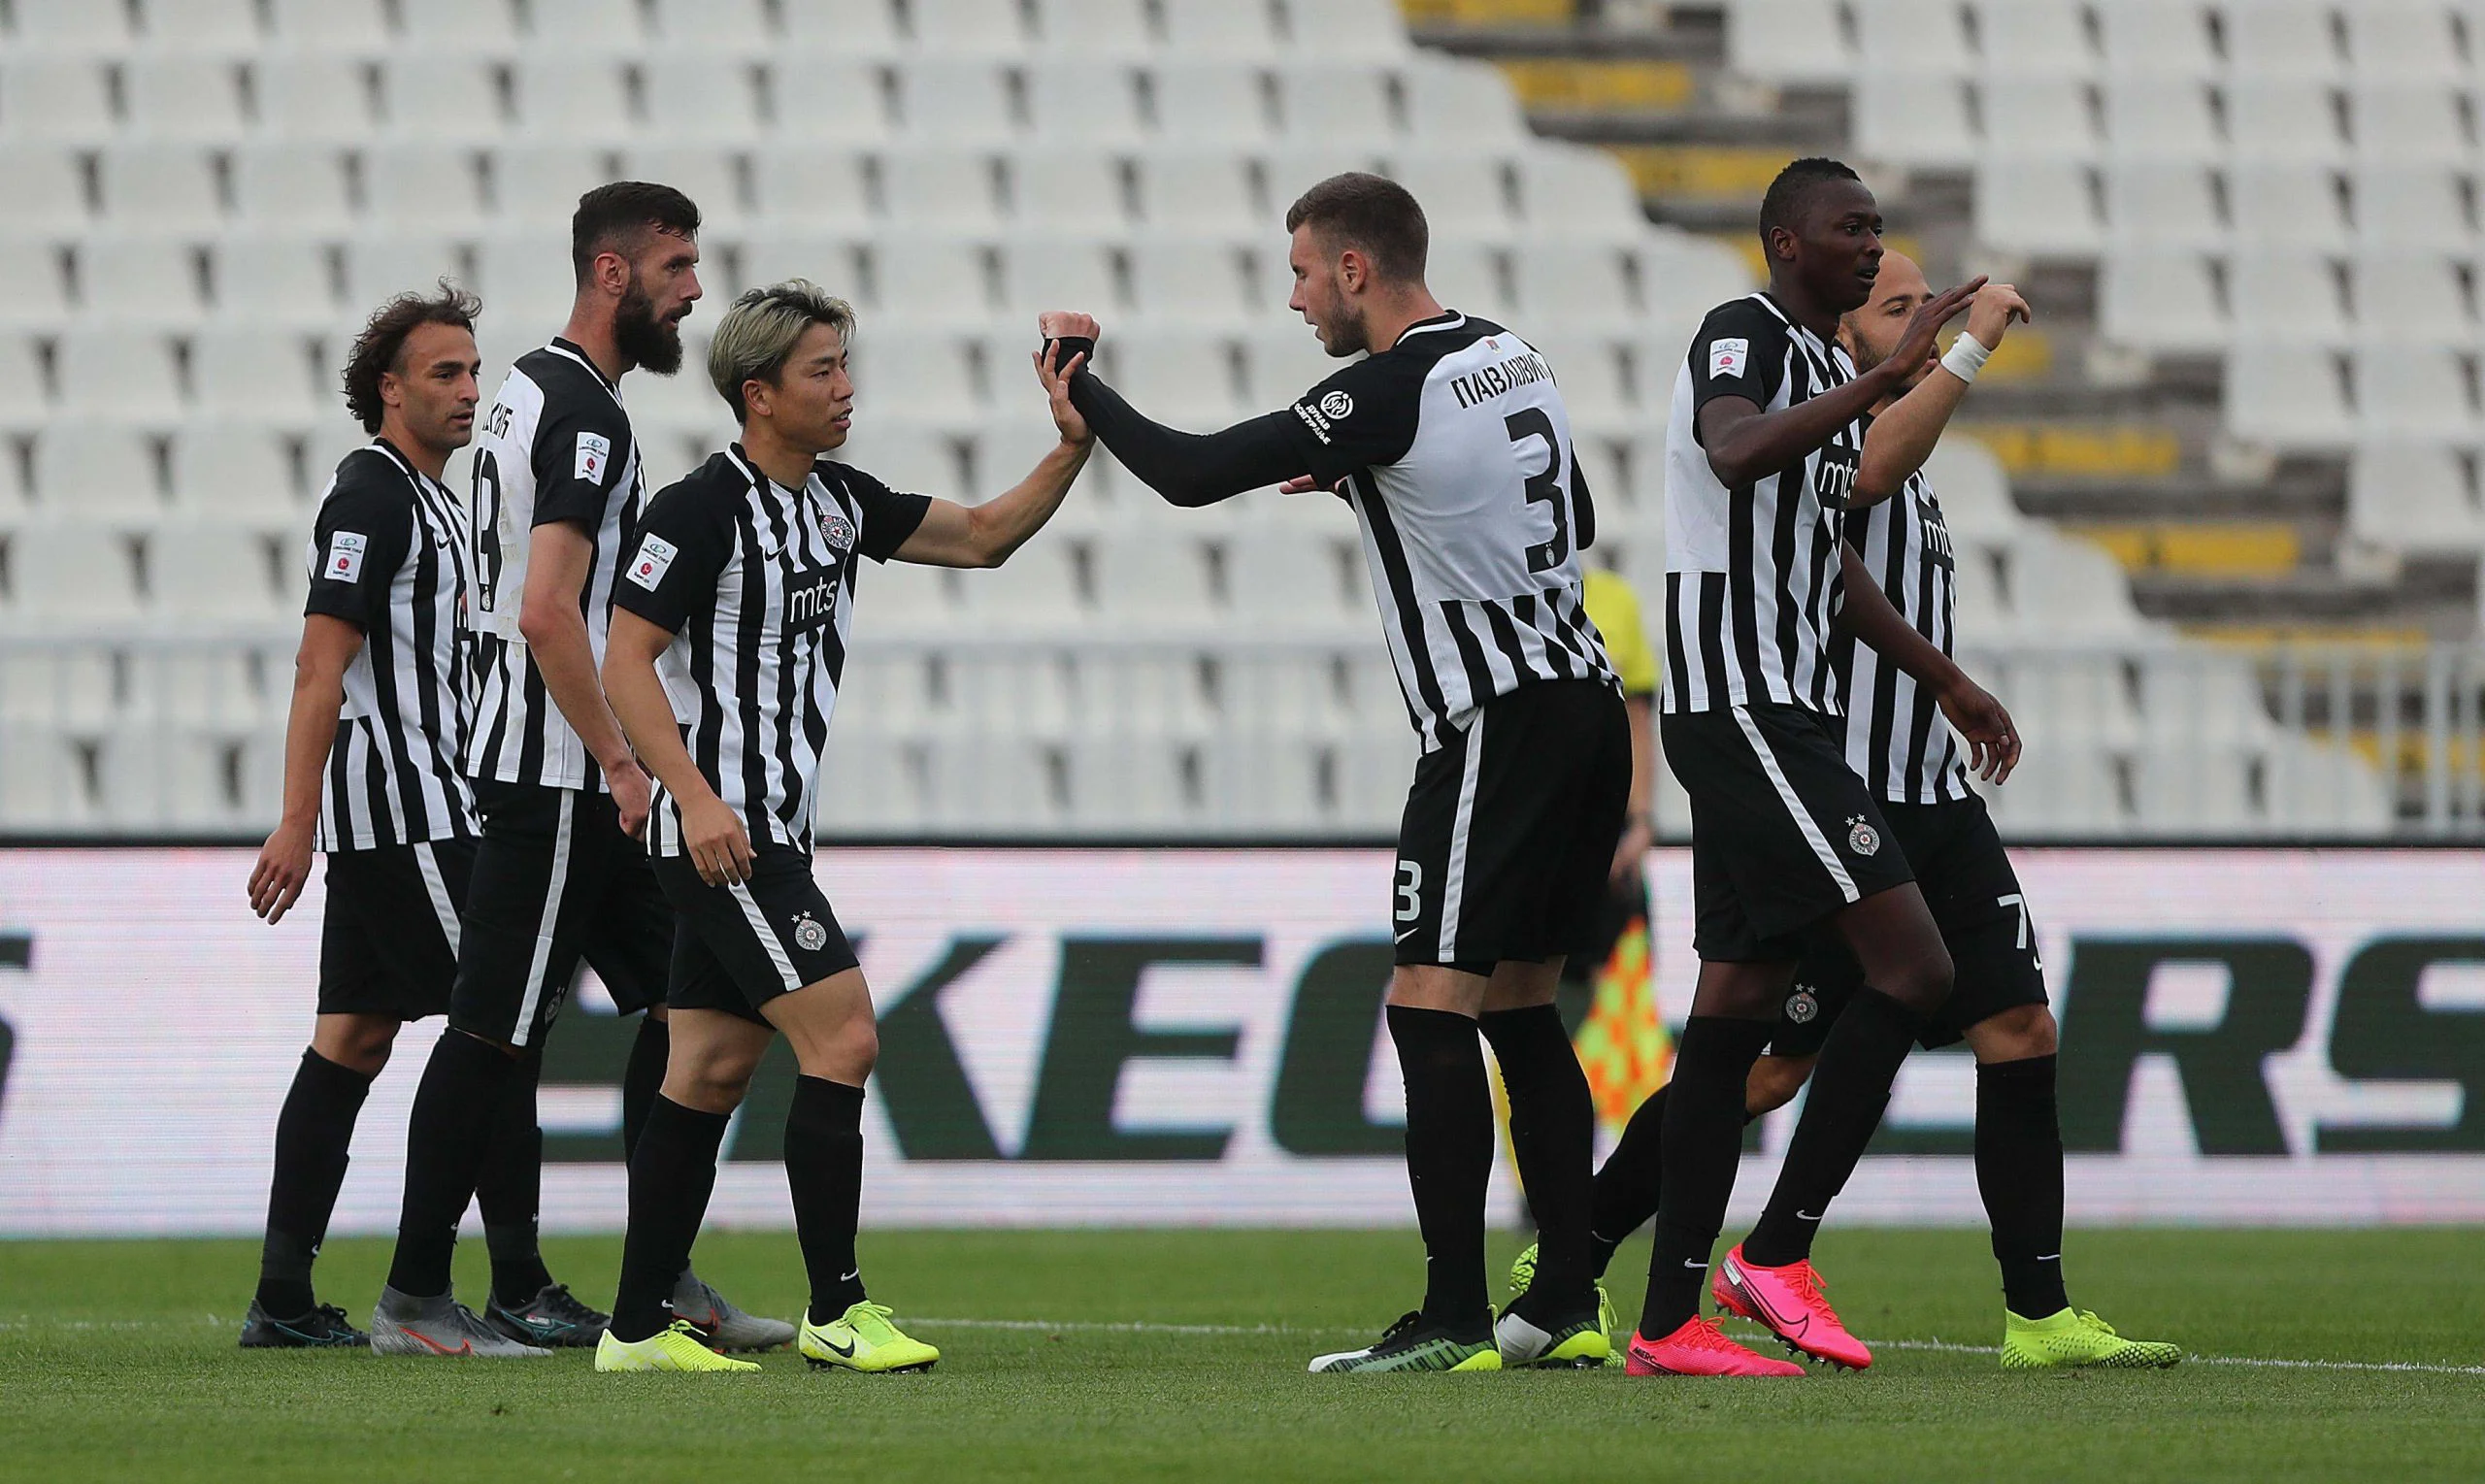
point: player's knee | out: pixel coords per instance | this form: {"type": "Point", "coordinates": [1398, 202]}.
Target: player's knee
{"type": "Point", "coordinates": [858, 1045]}
{"type": "Point", "coordinates": [1773, 1082]}
{"type": "Point", "coordinates": [2016, 1035]}
{"type": "Point", "coordinates": [1924, 981]}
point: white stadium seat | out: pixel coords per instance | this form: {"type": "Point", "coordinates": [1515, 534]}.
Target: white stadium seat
{"type": "Point", "coordinates": [2414, 391]}
{"type": "Point", "coordinates": [252, 375]}
{"type": "Point", "coordinates": [2041, 115]}
{"type": "Point", "coordinates": [1202, 102]}
{"type": "Point", "coordinates": [1358, 28]}
{"type": "Point", "coordinates": [38, 295]}
{"type": "Point", "coordinates": [53, 98]}
{"type": "Point", "coordinates": [2032, 36]}
{"type": "Point", "coordinates": [954, 102]}
{"type": "Point", "coordinates": [1464, 193]}
{"type": "Point", "coordinates": [1188, 280]}
{"type": "Point", "coordinates": [1094, 28]}
{"type": "Point", "coordinates": [2040, 206]}
{"type": "Point", "coordinates": [2061, 585]}
{"type": "Point", "coordinates": [854, 28]}
{"type": "Point", "coordinates": [71, 26]}
{"type": "Point", "coordinates": [702, 97]}
{"type": "Point", "coordinates": [556, 26]}
{"type": "Point", "coordinates": [22, 401]}
{"type": "Point", "coordinates": [2281, 38]}
{"type": "Point", "coordinates": [2407, 123]}
{"type": "Point", "coordinates": [564, 96]}
{"type": "Point", "coordinates": [1322, 103]}
{"type": "Point", "coordinates": [1051, 273]}
{"type": "Point", "coordinates": [72, 572]}
{"type": "Point", "coordinates": [1589, 370]}
{"type": "Point", "coordinates": [291, 185]}
{"type": "Point", "coordinates": [526, 276]}
{"type": "Point", "coordinates": [1207, 191]}
{"type": "Point", "coordinates": [210, 571]}
{"type": "Point", "coordinates": [2283, 118]}
{"type": "Point", "coordinates": [159, 189]}
{"type": "Point", "coordinates": [312, 97]}
{"type": "Point", "coordinates": [96, 472]}
{"type": "Point", "coordinates": [2415, 497]}
{"type": "Point", "coordinates": [430, 187]}
{"type": "Point", "coordinates": [481, 26]}
{"type": "Point", "coordinates": [1570, 191]}
{"type": "Point", "coordinates": [801, 185]}
{"type": "Point", "coordinates": [1151, 577]}
{"type": "Point", "coordinates": [707, 174]}
{"type": "Point", "coordinates": [2163, 203]}
{"type": "Point", "coordinates": [432, 98]}
{"type": "Point", "coordinates": [2286, 394]}
{"type": "Point", "coordinates": [2161, 118]}
{"type": "Point", "coordinates": [2289, 287]}
{"type": "Point", "coordinates": [1455, 103]}
{"type": "Point", "coordinates": [2410, 296]}
{"type": "Point", "coordinates": [1788, 41]}
{"type": "Point", "coordinates": [2411, 205]}
{"type": "Point", "coordinates": [826, 257]}
{"type": "Point", "coordinates": [152, 281]}
{"type": "Point", "coordinates": [2404, 41]}
{"type": "Point", "coordinates": [381, 268]}
{"type": "Point", "coordinates": [914, 372]}
{"type": "Point", "coordinates": [1037, 587]}
{"type": "Point", "coordinates": [1228, 28]}
{"type": "Point", "coordinates": [1067, 191]}
{"type": "Point", "coordinates": [968, 27]}
{"type": "Point", "coordinates": [1576, 284]}
{"type": "Point", "coordinates": [1468, 275]}
{"type": "Point", "coordinates": [1182, 377]}
{"type": "Point", "coordinates": [196, 99]}
{"type": "Point", "coordinates": [45, 190]}
{"type": "Point", "coordinates": [348, 25]}
{"type": "Point", "coordinates": [1973, 490]}
{"type": "Point", "coordinates": [828, 99]}
{"type": "Point", "coordinates": [1923, 36]}
{"type": "Point", "coordinates": [943, 189]}
{"type": "Point", "coordinates": [2298, 204]}
{"type": "Point", "coordinates": [2156, 39]}
{"type": "Point", "coordinates": [1913, 118]}
{"type": "Point", "coordinates": [738, 27]}
{"type": "Point", "coordinates": [538, 185]}
{"type": "Point", "coordinates": [223, 470]}
{"type": "Point", "coordinates": [43, 784]}
{"type": "Point", "coordinates": [1085, 103]}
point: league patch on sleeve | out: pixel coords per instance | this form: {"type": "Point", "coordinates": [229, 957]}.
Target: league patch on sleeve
{"type": "Point", "coordinates": [1729, 357]}
{"type": "Point", "coordinates": [344, 558]}
{"type": "Point", "coordinates": [595, 455]}
{"type": "Point", "coordinates": [1315, 421]}
{"type": "Point", "coordinates": [655, 558]}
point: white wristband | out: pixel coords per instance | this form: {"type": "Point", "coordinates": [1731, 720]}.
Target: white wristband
{"type": "Point", "coordinates": [1966, 357]}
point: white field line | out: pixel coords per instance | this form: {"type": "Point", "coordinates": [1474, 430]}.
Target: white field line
{"type": "Point", "coordinates": [1150, 1327]}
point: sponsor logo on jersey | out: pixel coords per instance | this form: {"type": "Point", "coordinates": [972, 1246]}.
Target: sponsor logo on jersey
{"type": "Point", "coordinates": [810, 599]}
{"type": "Point", "coordinates": [655, 558]}
{"type": "Point", "coordinates": [1729, 357]}
{"type": "Point", "coordinates": [1833, 471]}
{"type": "Point", "coordinates": [595, 455]}
{"type": "Point", "coordinates": [1337, 406]}
{"type": "Point", "coordinates": [1862, 838]}
{"type": "Point", "coordinates": [344, 556]}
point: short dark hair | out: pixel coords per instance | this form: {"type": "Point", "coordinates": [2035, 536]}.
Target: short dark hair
{"type": "Point", "coordinates": [382, 345]}
{"type": "Point", "coordinates": [1376, 214]}
{"type": "Point", "coordinates": [1795, 182]}
{"type": "Point", "coordinates": [611, 213]}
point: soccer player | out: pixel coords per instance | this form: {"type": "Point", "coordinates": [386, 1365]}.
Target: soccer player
{"type": "Point", "coordinates": [372, 778]}
{"type": "Point", "coordinates": [1451, 445]}
{"type": "Point", "coordinates": [1912, 764]}
{"type": "Point", "coordinates": [1766, 445]}
{"type": "Point", "coordinates": [726, 653]}
{"type": "Point", "coordinates": [558, 876]}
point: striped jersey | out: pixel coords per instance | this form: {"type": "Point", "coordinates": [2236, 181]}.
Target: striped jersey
{"type": "Point", "coordinates": [388, 556]}
{"type": "Point", "coordinates": [755, 582]}
{"type": "Point", "coordinates": [1896, 736]}
{"type": "Point", "coordinates": [556, 448]}
{"type": "Point", "coordinates": [1454, 448]}
{"type": "Point", "coordinates": [1753, 573]}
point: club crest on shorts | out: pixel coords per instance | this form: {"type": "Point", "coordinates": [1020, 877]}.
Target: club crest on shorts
{"type": "Point", "coordinates": [1803, 1007]}
{"type": "Point", "coordinates": [1862, 838]}
{"type": "Point", "coordinates": [837, 530]}
{"type": "Point", "coordinates": [810, 934]}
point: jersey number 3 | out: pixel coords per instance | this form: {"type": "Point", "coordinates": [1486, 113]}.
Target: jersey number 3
{"type": "Point", "coordinates": [1545, 488]}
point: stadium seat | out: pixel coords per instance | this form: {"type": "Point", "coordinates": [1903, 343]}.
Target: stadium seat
{"type": "Point", "coordinates": [158, 188]}
{"type": "Point", "coordinates": [931, 279]}
{"type": "Point", "coordinates": [255, 374]}
{"type": "Point", "coordinates": [340, 26]}
{"type": "Point", "coordinates": [2286, 394]}
{"type": "Point", "coordinates": [204, 28]}
{"type": "Point", "coordinates": [2060, 585]}
{"type": "Point", "coordinates": [139, 280]}
{"type": "Point", "coordinates": [738, 28]}
{"type": "Point", "coordinates": [2196, 696]}
{"type": "Point", "coordinates": [194, 99]}
{"type": "Point", "coordinates": [2061, 791]}
{"type": "Point", "coordinates": [291, 185]}
{"type": "Point", "coordinates": [2414, 391]}
{"type": "Point", "coordinates": [1071, 192]}
{"type": "Point", "coordinates": [1458, 104]}
{"type": "Point", "coordinates": [1920, 36]}
{"type": "Point", "coordinates": [1589, 370]}
{"type": "Point", "coordinates": [2034, 37]}
{"type": "Point", "coordinates": [565, 96]}
{"type": "Point", "coordinates": [1225, 28]}
{"type": "Point", "coordinates": [914, 372]}
{"type": "Point", "coordinates": [37, 296]}
{"type": "Point", "coordinates": [2280, 39]}
{"type": "Point", "coordinates": [859, 29]}
{"type": "Point", "coordinates": [1788, 41]}
{"type": "Point", "coordinates": [1089, 29]}
{"type": "Point", "coordinates": [1188, 281]}
{"type": "Point", "coordinates": [1463, 194]}
{"type": "Point", "coordinates": [1570, 191]}
{"type": "Point", "coordinates": [1373, 29]}
{"type": "Point", "coordinates": [45, 188]}
{"type": "Point", "coordinates": [2156, 39]}
{"type": "Point", "coordinates": [1085, 103]}
{"type": "Point", "coordinates": [1198, 192]}
{"type": "Point", "coordinates": [702, 97]}
{"type": "Point", "coordinates": [2316, 789]}
{"type": "Point", "coordinates": [312, 98]}
{"type": "Point", "coordinates": [916, 457]}
{"type": "Point", "coordinates": [53, 98]}
{"type": "Point", "coordinates": [1202, 102]}
{"type": "Point", "coordinates": [427, 187]}
{"type": "Point", "coordinates": [436, 98]}
{"type": "Point", "coordinates": [1281, 578]}
{"type": "Point", "coordinates": [2163, 206]}
{"type": "Point", "coordinates": [1051, 273]}
{"type": "Point", "coordinates": [538, 185]}
{"type": "Point", "coordinates": [831, 99]}
{"type": "Point", "coordinates": [2403, 42]}
{"type": "Point", "coordinates": [1259, 784]}
{"type": "Point", "coordinates": [2290, 290]}
{"type": "Point", "coordinates": [798, 187]}
{"type": "Point", "coordinates": [210, 573]}
{"type": "Point", "coordinates": [1144, 580]}
{"type": "Point", "coordinates": [825, 257]}
{"type": "Point", "coordinates": [610, 26]}
{"type": "Point", "coordinates": [22, 400]}
{"type": "Point", "coordinates": [2404, 123]}
{"type": "Point", "coordinates": [2410, 297]}
{"type": "Point", "coordinates": [1179, 376]}
{"type": "Point", "coordinates": [526, 276]}
{"type": "Point", "coordinates": [2043, 208]}
{"type": "Point", "coordinates": [968, 27]}
{"type": "Point", "coordinates": [115, 373]}
{"type": "Point", "coordinates": [2037, 115]}
{"type": "Point", "coordinates": [1918, 119]}
{"type": "Point", "coordinates": [487, 27]}
{"type": "Point", "coordinates": [227, 471]}
{"type": "Point", "coordinates": [904, 598]}
{"type": "Point", "coordinates": [2411, 205]}
{"type": "Point", "coordinates": [946, 101]}
{"type": "Point", "coordinates": [2286, 119]}
{"type": "Point", "coordinates": [42, 779]}
{"type": "Point", "coordinates": [97, 472]}
{"type": "Point", "coordinates": [1973, 490]}
{"type": "Point", "coordinates": [174, 778]}
{"type": "Point", "coordinates": [2297, 204]}
{"type": "Point", "coordinates": [2063, 698]}
{"type": "Point", "coordinates": [381, 268]}
{"type": "Point", "coordinates": [1035, 589]}
{"type": "Point", "coordinates": [1325, 103]}
{"type": "Point", "coordinates": [67, 576]}
{"type": "Point", "coordinates": [71, 27]}
{"type": "Point", "coordinates": [1572, 283]}
{"type": "Point", "coordinates": [213, 689]}
{"type": "Point", "coordinates": [1468, 275]}
{"type": "Point", "coordinates": [2413, 497]}
{"type": "Point", "coordinates": [2161, 118]}
{"type": "Point", "coordinates": [1281, 360]}
{"type": "Point", "coordinates": [707, 174]}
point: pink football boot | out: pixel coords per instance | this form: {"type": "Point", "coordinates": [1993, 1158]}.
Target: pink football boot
{"type": "Point", "coordinates": [1699, 1348]}
{"type": "Point", "coordinates": [1788, 1301]}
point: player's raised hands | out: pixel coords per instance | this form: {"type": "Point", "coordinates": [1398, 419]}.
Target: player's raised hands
{"type": "Point", "coordinates": [285, 866]}
{"type": "Point", "coordinates": [1068, 324]}
{"type": "Point", "coordinates": [1915, 347]}
{"type": "Point", "coordinates": [1066, 417]}
{"type": "Point", "coordinates": [1996, 305]}
{"type": "Point", "coordinates": [1993, 737]}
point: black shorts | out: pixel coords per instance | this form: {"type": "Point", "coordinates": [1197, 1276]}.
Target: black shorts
{"type": "Point", "coordinates": [556, 882]}
{"type": "Point", "coordinates": [1783, 832]}
{"type": "Point", "coordinates": [743, 945]}
{"type": "Point", "coordinates": [1509, 829]}
{"type": "Point", "coordinates": [388, 944]}
{"type": "Point", "coordinates": [1976, 902]}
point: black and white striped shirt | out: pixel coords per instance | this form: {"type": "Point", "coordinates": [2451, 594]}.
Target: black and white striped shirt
{"type": "Point", "coordinates": [1456, 451]}
{"type": "Point", "coordinates": [388, 556]}
{"type": "Point", "coordinates": [756, 583]}
{"type": "Point", "coordinates": [1753, 573]}
{"type": "Point", "coordinates": [555, 448]}
{"type": "Point", "coordinates": [1896, 736]}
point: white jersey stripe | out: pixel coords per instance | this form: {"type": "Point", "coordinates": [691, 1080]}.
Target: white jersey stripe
{"type": "Point", "coordinates": [1453, 886]}
{"type": "Point", "coordinates": [552, 895]}
{"type": "Point", "coordinates": [767, 937]}
{"type": "Point", "coordinates": [436, 886]}
{"type": "Point", "coordinates": [1787, 796]}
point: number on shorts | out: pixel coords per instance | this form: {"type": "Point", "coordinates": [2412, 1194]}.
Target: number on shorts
{"type": "Point", "coordinates": [2027, 928]}
{"type": "Point", "coordinates": [1410, 886]}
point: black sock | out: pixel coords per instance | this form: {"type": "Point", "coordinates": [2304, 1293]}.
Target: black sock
{"type": "Point", "coordinates": [1851, 1091]}
{"type": "Point", "coordinates": [510, 1189]}
{"type": "Point", "coordinates": [312, 1136]}
{"type": "Point", "coordinates": [1624, 1194]}
{"type": "Point", "coordinates": [2019, 1173]}
{"type": "Point", "coordinates": [642, 1077]}
{"type": "Point", "coordinates": [446, 1140]}
{"type": "Point", "coordinates": [824, 1170]}
{"type": "Point", "coordinates": [1703, 1145]}
{"type": "Point", "coordinates": [1449, 1157]}
{"type": "Point", "coordinates": [673, 1171]}
{"type": "Point", "coordinates": [1553, 1134]}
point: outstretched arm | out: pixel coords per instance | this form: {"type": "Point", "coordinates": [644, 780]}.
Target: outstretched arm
{"type": "Point", "coordinates": [955, 535]}
{"type": "Point", "coordinates": [1186, 469]}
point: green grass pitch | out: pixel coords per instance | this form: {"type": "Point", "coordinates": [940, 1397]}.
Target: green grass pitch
{"type": "Point", "coordinates": [1178, 1355]}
